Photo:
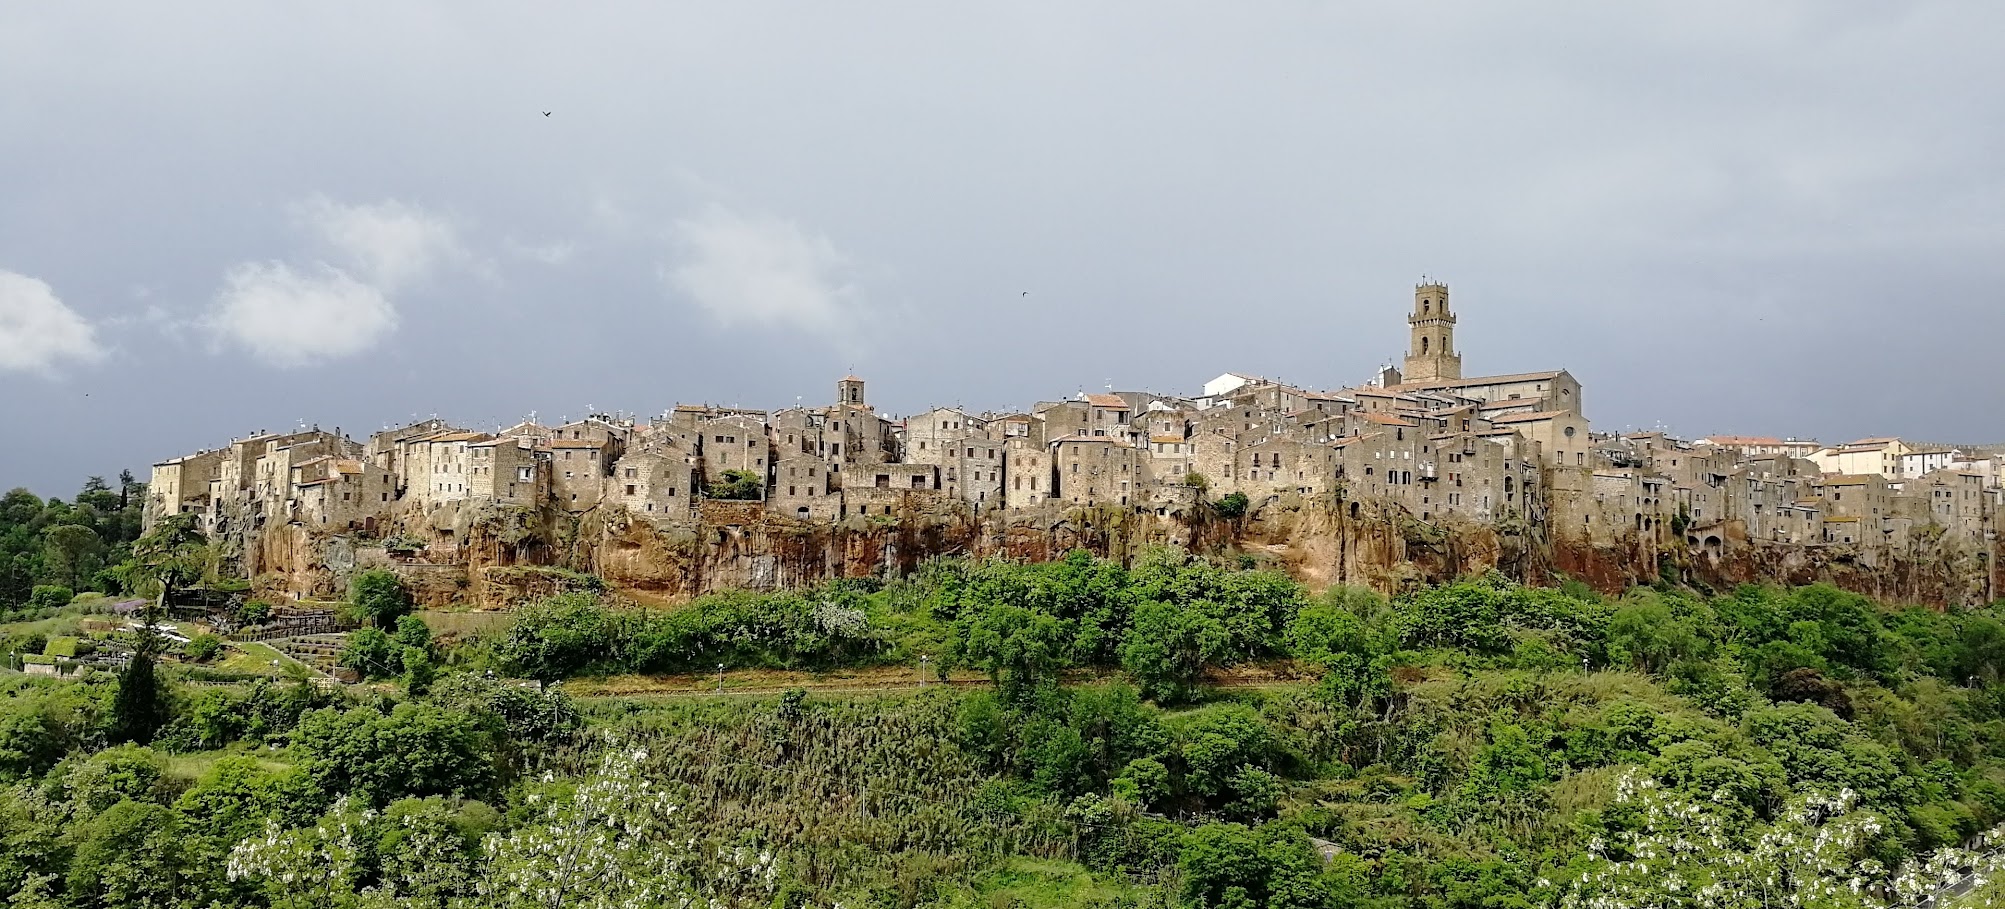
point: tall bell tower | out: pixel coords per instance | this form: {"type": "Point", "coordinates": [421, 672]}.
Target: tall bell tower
{"type": "Point", "coordinates": [1430, 353]}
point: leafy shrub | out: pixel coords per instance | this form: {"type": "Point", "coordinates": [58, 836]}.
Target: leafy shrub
{"type": "Point", "coordinates": [202, 648]}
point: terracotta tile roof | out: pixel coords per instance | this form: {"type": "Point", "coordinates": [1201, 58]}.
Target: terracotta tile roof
{"type": "Point", "coordinates": [1510, 403]}
{"type": "Point", "coordinates": [1482, 380]}
{"type": "Point", "coordinates": [1841, 519]}
{"type": "Point", "coordinates": [1166, 439]}
{"type": "Point", "coordinates": [460, 437]}
{"type": "Point", "coordinates": [1840, 479]}
{"type": "Point", "coordinates": [348, 466]}
{"type": "Point", "coordinates": [1744, 440]}
{"type": "Point", "coordinates": [1114, 401]}
{"type": "Point", "coordinates": [1530, 417]}
{"type": "Point", "coordinates": [576, 443]}
{"type": "Point", "coordinates": [1386, 419]}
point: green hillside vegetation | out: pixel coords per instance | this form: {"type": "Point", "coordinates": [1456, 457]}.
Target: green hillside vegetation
{"type": "Point", "coordinates": [52, 550]}
{"type": "Point", "coordinates": [1479, 744]}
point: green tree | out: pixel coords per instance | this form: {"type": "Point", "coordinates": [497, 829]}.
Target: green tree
{"type": "Point", "coordinates": [129, 855]}
{"type": "Point", "coordinates": [253, 612]}
{"type": "Point", "coordinates": [173, 555]}
{"type": "Point", "coordinates": [413, 632]}
{"type": "Point", "coordinates": [558, 637]}
{"type": "Point", "coordinates": [1021, 649]}
{"type": "Point", "coordinates": [1232, 506]}
{"type": "Point", "coordinates": [50, 596]}
{"type": "Point", "coordinates": [229, 804]}
{"type": "Point", "coordinates": [72, 553]}
{"type": "Point", "coordinates": [141, 706]}
{"type": "Point", "coordinates": [372, 653]}
{"type": "Point", "coordinates": [414, 750]}
{"type": "Point", "coordinates": [377, 596]}
{"type": "Point", "coordinates": [742, 485]}
{"type": "Point", "coordinates": [112, 776]}
{"type": "Point", "coordinates": [1645, 634]}
{"type": "Point", "coordinates": [420, 671]}
{"type": "Point", "coordinates": [1168, 648]}
{"type": "Point", "coordinates": [202, 648]}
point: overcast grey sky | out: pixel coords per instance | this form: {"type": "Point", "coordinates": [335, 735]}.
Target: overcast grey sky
{"type": "Point", "coordinates": [1774, 218]}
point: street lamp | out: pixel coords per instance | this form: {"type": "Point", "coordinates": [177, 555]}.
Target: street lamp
{"type": "Point", "coordinates": [1583, 663]}
{"type": "Point", "coordinates": [720, 678]}
{"type": "Point", "coordinates": [923, 659]}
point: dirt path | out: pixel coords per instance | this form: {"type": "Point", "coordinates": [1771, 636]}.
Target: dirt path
{"type": "Point", "coordinates": [871, 680]}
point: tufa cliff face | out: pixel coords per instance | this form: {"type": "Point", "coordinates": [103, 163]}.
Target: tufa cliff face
{"type": "Point", "coordinates": [494, 557]}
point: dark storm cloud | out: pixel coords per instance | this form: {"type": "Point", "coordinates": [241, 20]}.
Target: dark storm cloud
{"type": "Point", "coordinates": [1777, 218]}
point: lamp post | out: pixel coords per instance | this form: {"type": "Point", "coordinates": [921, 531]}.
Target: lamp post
{"type": "Point", "coordinates": [720, 678]}
{"type": "Point", "coordinates": [923, 660]}
{"type": "Point", "coordinates": [1583, 664]}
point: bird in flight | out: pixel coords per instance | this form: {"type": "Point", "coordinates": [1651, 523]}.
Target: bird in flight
{"type": "Point", "coordinates": [546, 113]}
{"type": "Point", "coordinates": [1026, 293]}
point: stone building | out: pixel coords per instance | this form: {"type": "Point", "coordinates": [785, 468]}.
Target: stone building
{"type": "Point", "coordinates": [1857, 508]}
{"type": "Point", "coordinates": [1095, 470]}
{"type": "Point", "coordinates": [1881, 456]}
{"type": "Point", "coordinates": [881, 489]}
{"type": "Point", "coordinates": [935, 436]}
{"type": "Point", "coordinates": [657, 480]}
{"type": "Point", "coordinates": [1561, 435]}
{"type": "Point", "coordinates": [181, 485]}
{"type": "Point", "coordinates": [973, 472]}
{"type": "Point", "coordinates": [339, 493]}
{"type": "Point", "coordinates": [737, 442]}
{"type": "Point", "coordinates": [804, 486]}
{"type": "Point", "coordinates": [578, 471]}
{"type": "Point", "coordinates": [1426, 442]}
{"type": "Point", "coordinates": [1028, 473]}
{"type": "Point", "coordinates": [508, 471]}
{"type": "Point", "coordinates": [1431, 356]}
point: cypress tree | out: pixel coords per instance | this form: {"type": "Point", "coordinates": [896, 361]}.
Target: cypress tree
{"type": "Point", "coordinates": [140, 707]}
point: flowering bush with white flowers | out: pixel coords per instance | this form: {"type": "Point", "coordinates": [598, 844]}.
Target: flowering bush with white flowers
{"type": "Point", "coordinates": [1816, 853]}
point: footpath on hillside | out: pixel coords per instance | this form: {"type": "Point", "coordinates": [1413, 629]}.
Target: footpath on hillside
{"type": "Point", "coordinates": [869, 680]}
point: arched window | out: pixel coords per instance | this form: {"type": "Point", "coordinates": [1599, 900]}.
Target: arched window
{"type": "Point", "coordinates": [1423, 347]}
{"type": "Point", "coordinates": [1426, 306]}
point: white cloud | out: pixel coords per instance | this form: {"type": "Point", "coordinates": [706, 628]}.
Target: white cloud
{"type": "Point", "coordinates": [290, 318]}
{"type": "Point", "coordinates": [763, 270]}
{"type": "Point", "coordinates": [37, 330]}
{"type": "Point", "coordinates": [286, 314]}
{"type": "Point", "coordinates": [389, 243]}
{"type": "Point", "coordinates": [549, 254]}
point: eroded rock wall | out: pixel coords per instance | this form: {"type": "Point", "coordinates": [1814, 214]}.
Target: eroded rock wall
{"type": "Point", "coordinates": [489, 557]}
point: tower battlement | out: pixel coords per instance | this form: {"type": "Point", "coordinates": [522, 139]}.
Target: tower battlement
{"type": "Point", "coordinates": [1430, 351]}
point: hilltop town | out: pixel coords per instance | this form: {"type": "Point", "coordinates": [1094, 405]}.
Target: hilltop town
{"type": "Point", "coordinates": [1509, 455]}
